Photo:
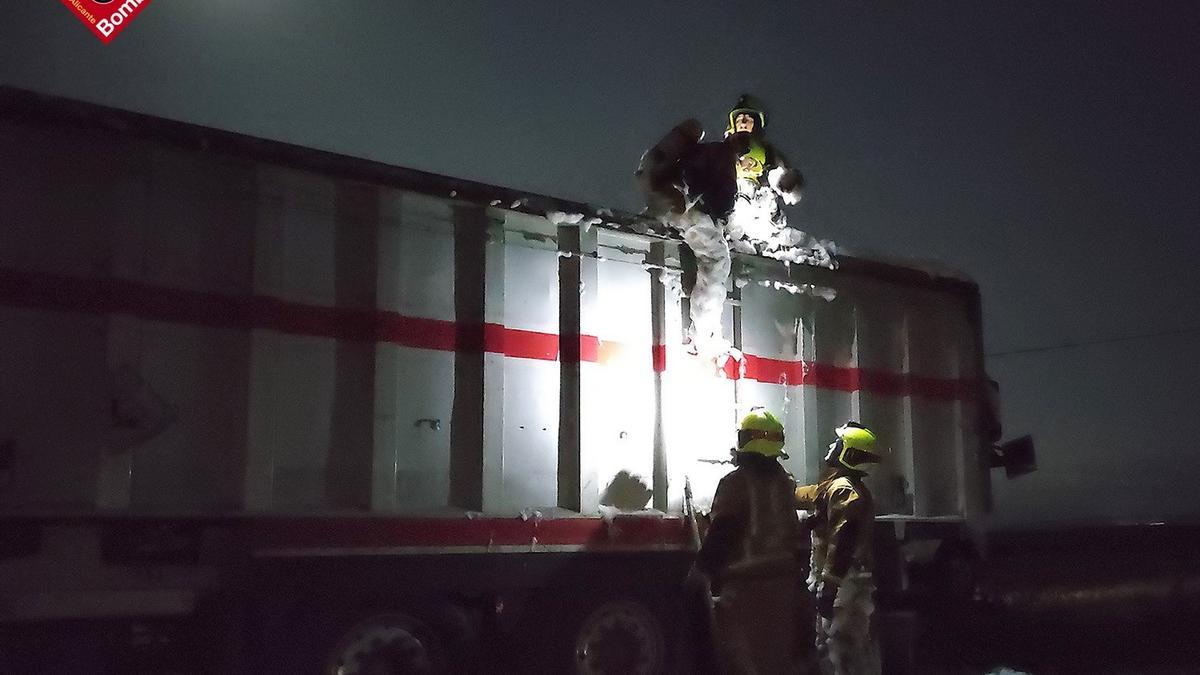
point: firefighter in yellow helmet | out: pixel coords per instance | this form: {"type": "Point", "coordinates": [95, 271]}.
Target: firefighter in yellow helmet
{"type": "Point", "coordinates": [752, 555]}
{"type": "Point", "coordinates": [760, 159]}
{"type": "Point", "coordinates": [842, 522]}
{"type": "Point", "coordinates": [757, 223]}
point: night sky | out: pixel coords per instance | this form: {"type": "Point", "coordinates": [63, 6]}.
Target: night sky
{"type": "Point", "coordinates": [1052, 152]}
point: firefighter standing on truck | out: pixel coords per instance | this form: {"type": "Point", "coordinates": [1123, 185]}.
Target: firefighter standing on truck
{"type": "Point", "coordinates": [752, 555]}
{"type": "Point", "coordinates": [756, 222]}
{"type": "Point", "coordinates": [760, 164]}
{"type": "Point", "coordinates": [844, 515]}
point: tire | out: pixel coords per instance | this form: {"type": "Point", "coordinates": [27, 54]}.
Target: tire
{"type": "Point", "coordinates": [382, 637]}
{"type": "Point", "coordinates": [624, 635]}
{"type": "Point", "coordinates": [386, 643]}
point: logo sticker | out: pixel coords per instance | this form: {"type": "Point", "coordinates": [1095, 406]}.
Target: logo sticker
{"type": "Point", "coordinates": [106, 18]}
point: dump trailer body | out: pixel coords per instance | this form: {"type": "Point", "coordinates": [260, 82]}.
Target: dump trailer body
{"type": "Point", "coordinates": [271, 375]}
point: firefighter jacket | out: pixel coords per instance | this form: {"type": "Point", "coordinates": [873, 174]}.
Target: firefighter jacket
{"type": "Point", "coordinates": [680, 169]}
{"type": "Point", "coordinates": [762, 165]}
{"type": "Point", "coordinates": [841, 525]}
{"type": "Point", "coordinates": [754, 531]}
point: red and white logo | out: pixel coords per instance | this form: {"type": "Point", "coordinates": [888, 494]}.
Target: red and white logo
{"type": "Point", "coordinates": [106, 18]}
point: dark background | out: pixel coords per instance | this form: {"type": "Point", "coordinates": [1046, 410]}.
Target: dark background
{"type": "Point", "coordinates": [1051, 151]}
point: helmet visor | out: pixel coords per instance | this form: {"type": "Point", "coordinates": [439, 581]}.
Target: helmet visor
{"type": "Point", "coordinates": [747, 435]}
{"type": "Point", "coordinates": [856, 457]}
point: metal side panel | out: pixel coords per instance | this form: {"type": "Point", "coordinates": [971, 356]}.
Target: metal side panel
{"type": "Point", "coordinates": [807, 441]}
{"type": "Point", "coordinates": [935, 415]}
{"type": "Point", "coordinates": [530, 470]}
{"type": "Point", "coordinates": [700, 408]}
{"type": "Point", "coordinates": [881, 337]}
{"type": "Point", "coordinates": [975, 479]}
{"type": "Point", "coordinates": [200, 222]}
{"type": "Point", "coordinates": [623, 419]}
{"type": "Point", "coordinates": [291, 415]}
{"type": "Point", "coordinates": [674, 460]}
{"type": "Point", "coordinates": [184, 385]}
{"type": "Point", "coordinates": [770, 332]}
{"type": "Point", "coordinates": [414, 387]}
{"type": "Point", "coordinates": [183, 418]}
{"type": "Point", "coordinates": [57, 217]}
{"type": "Point", "coordinates": [317, 245]}
{"type": "Point", "coordinates": [296, 238]}
{"type": "Point", "coordinates": [835, 360]}
{"type": "Point", "coordinates": [54, 407]}
{"type": "Point", "coordinates": [416, 256]}
{"type": "Point", "coordinates": [531, 378]}
{"type": "Point", "coordinates": [770, 323]}
{"type": "Point", "coordinates": [530, 287]}
{"type": "Point", "coordinates": [413, 422]}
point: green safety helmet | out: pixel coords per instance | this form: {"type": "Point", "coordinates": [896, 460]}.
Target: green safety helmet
{"type": "Point", "coordinates": [748, 104]}
{"type": "Point", "coordinates": [761, 433]}
{"type": "Point", "coordinates": [855, 448]}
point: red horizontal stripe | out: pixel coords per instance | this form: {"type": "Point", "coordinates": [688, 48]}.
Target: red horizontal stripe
{"type": "Point", "coordinates": [22, 288]}
{"type": "Point", "coordinates": [884, 382]}
{"type": "Point", "coordinates": [527, 344]}
{"type": "Point", "coordinates": [494, 336]}
{"type": "Point", "coordinates": [120, 296]}
{"type": "Point", "coordinates": [880, 382]}
{"type": "Point", "coordinates": [831, 377]}
{"type": "Point", "coordinates": [731, 369]}
{"type": "Point", "coordinates": [658, 357]}
{"type": "Point", "coordinates": [589, 348]}
{"type": "Point", "coordinates": [334, 533]}
{"type": "Point", "coordinates": [774, 371]}
{"type": "Point", "coordinates": [419, 333]}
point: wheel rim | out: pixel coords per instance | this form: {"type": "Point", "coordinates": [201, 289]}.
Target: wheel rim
{"type": "Point", "coordinates": [619, 637]}
{"type": "Point", "coordinates": [383, 645]}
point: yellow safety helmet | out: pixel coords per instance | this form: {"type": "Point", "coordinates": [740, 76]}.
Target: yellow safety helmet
{"type": "Point", "coordinates": [855, 448]}
{"type": "Point", "coordinates": [761, 433]}
{"type": "Point", "coordinates": [751, 106]}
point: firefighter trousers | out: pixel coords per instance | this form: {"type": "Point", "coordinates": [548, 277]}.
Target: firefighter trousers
{"type": "Point", "coordinates": [845, 643]}
{"type": "Point", "coordinates": [762, 627]}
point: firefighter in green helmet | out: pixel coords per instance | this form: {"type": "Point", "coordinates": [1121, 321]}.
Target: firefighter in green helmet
{"type": "Point", "coordinates": [752, 555]}
{"type": "Point", "coordinates": [756, 221]}
{"type": "Point", "coordinates": [680, 170]}
{"type": "Point", "coordinates": [761, 164]}
{"type": "Point", "coordinates": [724, 196]}
{"type": "Point", "coordinates": [842, 522]}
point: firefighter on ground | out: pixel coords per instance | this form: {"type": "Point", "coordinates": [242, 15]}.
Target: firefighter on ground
{"type": "Point", "coordinates": [843, 518]}
{"type": "Point", "coordinates": [752, 555]}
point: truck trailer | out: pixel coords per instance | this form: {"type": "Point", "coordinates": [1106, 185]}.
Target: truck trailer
{"type": "Point", "coordinates": [265, 408]}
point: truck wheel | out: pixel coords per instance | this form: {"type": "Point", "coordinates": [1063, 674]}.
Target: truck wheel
{"type": "Point", "coordinates": [386, 643]}
{"type": "Point", "coordinates": [620, 636]}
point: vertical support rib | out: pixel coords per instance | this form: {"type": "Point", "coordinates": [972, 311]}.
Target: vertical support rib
{"type": "Point", "coordinates": [352, 424]}
{"type": "Point", "coordinates": [735, 294]}
{"type": "Point", "coordinates": [577, 278]}
{"type": "Point", "coordinates": [493, 368]}
{"type": "Point", "coordinates": [658, 341]}
{"type": "Point", "coordinates": [467, 417]}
